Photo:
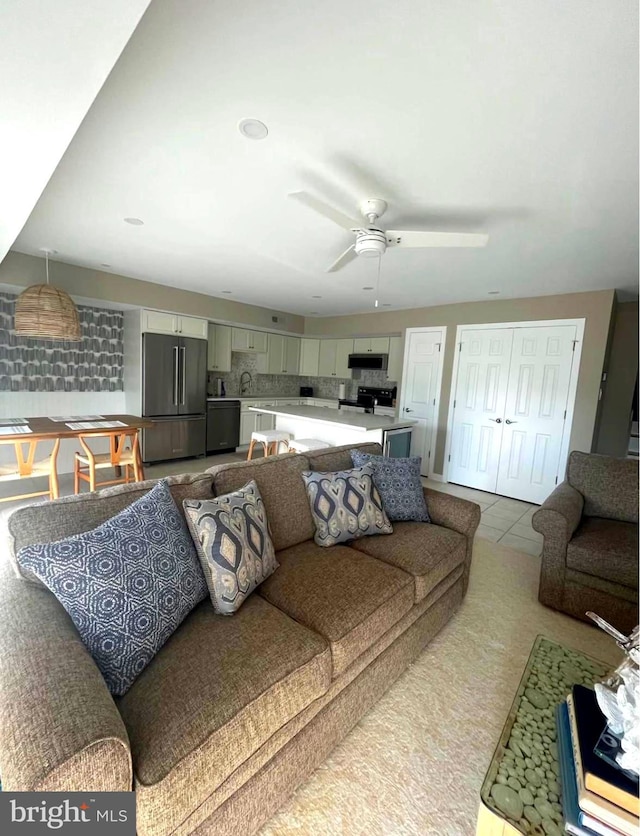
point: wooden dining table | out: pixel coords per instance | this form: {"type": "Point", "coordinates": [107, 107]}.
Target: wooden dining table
{"type": "Point", "coordinates": [45, 429]}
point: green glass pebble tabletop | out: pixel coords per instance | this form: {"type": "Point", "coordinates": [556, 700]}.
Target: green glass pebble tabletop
{"type": "Point", "coordinates": [522, 784]}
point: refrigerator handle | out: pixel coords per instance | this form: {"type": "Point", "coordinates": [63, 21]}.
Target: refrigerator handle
{"type": "Point", "coordinates": [183, 398]}
{"type": "Point", "coordinates": [175, 375]}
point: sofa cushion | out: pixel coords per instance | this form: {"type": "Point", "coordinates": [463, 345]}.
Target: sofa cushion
{"type": "Point", "coordinates": [126, 585]}
{"type": "Point", "coordinates": [609, 486]}
{"type": "Point", "coordinates": [605, 549]}
{"type": "Point", "coordinates": [427, 552]}
{"type": "Point", "coordinates": [280, 484]}
{"type": "Point", "coordinates": [212, 696]}
{"type": "Point", "coordinates": [345, 505]}
{"type": "Point", "coordinates": [338, 458]}
{"type": "Point", "coordinates": [399, 483]}
{"type": "Point", "coordinates": [47, 522]}
{"type": "Point", "coordinates": [349, 598]}
{"type": "Point", "coordinates": [231, 534]}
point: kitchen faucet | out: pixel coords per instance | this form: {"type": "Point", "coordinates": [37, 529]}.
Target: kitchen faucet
{"type": "Point", "coordinates": [244, 385]}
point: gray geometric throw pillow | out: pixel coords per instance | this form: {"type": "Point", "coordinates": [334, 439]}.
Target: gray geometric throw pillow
{"type": "Point", "coordinates": [345, 505]}
{"type": "Point", "coordinates": [231, 535]}
{"type": "Point", "coordinates": [399, 483]}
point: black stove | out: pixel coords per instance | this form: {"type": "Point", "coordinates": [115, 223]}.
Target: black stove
{"type": "Point", "coordinates": [369, 397]}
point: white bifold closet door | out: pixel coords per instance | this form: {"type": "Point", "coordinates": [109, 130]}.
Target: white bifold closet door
{"type": "Point", "coordinates": [510, 409]}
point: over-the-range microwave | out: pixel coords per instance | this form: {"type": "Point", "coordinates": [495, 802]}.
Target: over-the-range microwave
{"type": "Point", "coordinates": [368, 361]}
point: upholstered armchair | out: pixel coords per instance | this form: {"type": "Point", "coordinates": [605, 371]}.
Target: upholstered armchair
{"type": "Point", "coordinates": [590, 529]}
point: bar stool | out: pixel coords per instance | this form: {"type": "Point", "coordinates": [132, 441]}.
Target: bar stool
{"type": "Point", "coordinates": [270, 440]}
{"type": "Point", "coordinates": [303, 445]}
{"type": "Point", "coordinates": [119, 456]}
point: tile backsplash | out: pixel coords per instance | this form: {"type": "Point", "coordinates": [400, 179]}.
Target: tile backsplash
{"type": "Point", "coordinates": [286, 386]}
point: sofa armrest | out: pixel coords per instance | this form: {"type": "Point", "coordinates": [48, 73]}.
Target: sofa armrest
{"type": "Point", "coordinates": [560, 514]}
{"type": "Point", "coordinates": [60, 729]}
{"type": "Point", "coordinates": [458, 514]}
{"type": "Point", "coordinates": [556, 519]}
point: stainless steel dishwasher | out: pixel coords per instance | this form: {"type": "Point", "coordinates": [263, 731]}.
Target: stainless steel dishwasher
{"type": "Point", "coordinates": [223, 425]}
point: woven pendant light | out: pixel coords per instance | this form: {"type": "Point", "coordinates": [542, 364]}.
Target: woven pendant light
{"type": "Point", "coordinates": [46, 312]}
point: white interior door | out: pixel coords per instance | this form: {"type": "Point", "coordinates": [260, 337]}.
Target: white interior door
{"type": "Point", "coordinates": [420, 388]}
{"type": "Point", "coordinates": [484, 357]}
{"type": "Point", "coordinates": [535, 411]}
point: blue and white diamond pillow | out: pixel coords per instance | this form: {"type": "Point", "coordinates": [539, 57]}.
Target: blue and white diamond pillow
{"type": "Point", "coordinates": [399, 483]}
{"type": "Point", "coordinates": [126, 585]}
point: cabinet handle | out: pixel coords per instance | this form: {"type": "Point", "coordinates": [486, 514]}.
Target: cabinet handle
{"type": "Point", "coordinates": [497, 420]}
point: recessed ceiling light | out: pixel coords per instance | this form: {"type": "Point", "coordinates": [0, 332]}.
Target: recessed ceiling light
{"type": "Point", "coordinates": [386, 304]}
{"type": "Point", "coordinates": [494, 293]}
{"type": "Point", "coordinates": [105, 265]}
{"type": "Point", "coordinates": [227, 291]}
{"type": "Point", "coordinates": [313, 313]}
{"type": "Point", "coordinates": [316, 297]}
{"type": "Point", "coordinates": [134, 221]}
{"type": "Point", "coordinates": [253, 128]}
{"type": "Point", "coordinates": [367, 288]}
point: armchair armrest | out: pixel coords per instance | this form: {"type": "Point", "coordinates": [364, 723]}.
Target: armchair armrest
{"type": "Point", "coordinates": [556, 519]}
{"type": "Point", "coordinates": [560, 514]}
{"type": "Point", "coordinates": [457, 514]}
{"type": "Point", "coordinates": [60, 729]}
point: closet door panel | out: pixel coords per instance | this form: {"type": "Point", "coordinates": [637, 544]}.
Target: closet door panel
{"type": "Point", "coordinates": [481, 392]}
{"type": "Point", "coordinates": [535, 409]}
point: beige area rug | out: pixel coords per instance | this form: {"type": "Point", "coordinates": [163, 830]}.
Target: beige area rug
{"type": "Point", "coordinates": [415, 763]}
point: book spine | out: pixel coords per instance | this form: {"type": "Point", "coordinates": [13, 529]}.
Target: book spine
{"type": "Point", "coordinates": [603, 810]}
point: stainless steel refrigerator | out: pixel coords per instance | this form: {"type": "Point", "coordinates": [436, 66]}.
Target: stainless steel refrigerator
{"type": "Point", "coordinates": [174, 394]}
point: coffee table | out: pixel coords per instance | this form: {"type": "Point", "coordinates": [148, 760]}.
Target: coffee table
{"type": "Point", "coordinates": [521, 790]}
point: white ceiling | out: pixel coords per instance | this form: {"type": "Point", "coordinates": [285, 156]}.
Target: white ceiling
{"type": "Point", "coordinates": [54, 57]}
{"type": "Point", "coordinates": [518, 117]}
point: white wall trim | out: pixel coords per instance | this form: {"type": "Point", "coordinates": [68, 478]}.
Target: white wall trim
{"type": "Point", "coordinates": [571, 395]}
{"type": "Point", "coordinates": [442, 329]}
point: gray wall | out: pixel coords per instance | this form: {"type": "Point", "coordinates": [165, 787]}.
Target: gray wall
{"type": "Point", "coordinates": [612, 437]}
{"type": "Point", "coordinates": [595, 307]}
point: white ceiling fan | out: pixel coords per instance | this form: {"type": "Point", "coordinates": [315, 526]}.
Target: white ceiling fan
{"type": "Point", "coordinates": [372, 241]}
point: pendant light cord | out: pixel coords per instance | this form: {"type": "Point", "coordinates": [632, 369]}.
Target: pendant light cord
{"type": "Point", "coordinates": [46, 265]}
{"type": "Point", "coordinates": [378, 282]}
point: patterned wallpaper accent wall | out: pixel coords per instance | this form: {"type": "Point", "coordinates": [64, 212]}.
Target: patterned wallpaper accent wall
{"type": "Point", "coordinates": [94, 364]}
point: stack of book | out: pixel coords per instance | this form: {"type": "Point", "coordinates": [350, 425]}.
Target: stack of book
{"type": "Point", "coordinates": [597, 796]}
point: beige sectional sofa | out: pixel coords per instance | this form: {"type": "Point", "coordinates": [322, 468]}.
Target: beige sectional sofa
{"type": "Point", "coordinates": [233, 712]}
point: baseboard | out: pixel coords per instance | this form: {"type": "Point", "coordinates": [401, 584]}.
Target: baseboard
{"type": "Point", "coordinates": [436, 477]}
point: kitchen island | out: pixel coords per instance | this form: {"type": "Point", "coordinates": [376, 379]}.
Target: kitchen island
{"type": "Point", "coordinates": [336, 427]}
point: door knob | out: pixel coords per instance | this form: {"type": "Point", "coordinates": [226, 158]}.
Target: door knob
{"type": "Point", "coordinates": [510, 422]}
{"type": "Point", "coordinates": [497, 420]}
{"type": "Point", "coordinates": [406, 409]}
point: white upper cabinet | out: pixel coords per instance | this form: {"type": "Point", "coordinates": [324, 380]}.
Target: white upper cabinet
{"type": "Point", "coordinates": [371, 345]}
{"type": "Point", "coordinates": [284, 354]}
{"type": "Point", "coordinates": [334, 358]}
{"type": "Point", "coordinates": [157, 322]}
{"type": "Point", "coordinates": [244, 339]}
{"type": "Point", "coordinates": [219, 351]}
{"type": "Point", "coordinates": [394, 368]}
{"type": "Point", "coordinates": [309, 357]}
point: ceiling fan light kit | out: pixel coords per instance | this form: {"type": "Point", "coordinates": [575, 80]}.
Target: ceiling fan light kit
{"type": "Point", "coordinates": [46, 312]}
{"type": "Point", "coordinates": [372, 242]}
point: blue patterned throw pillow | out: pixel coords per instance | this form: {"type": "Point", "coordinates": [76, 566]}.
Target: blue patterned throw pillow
{"type": "Point", "coordinates": [345, 505]}
{"type": "Point", "coordinates": [399, 483]}
{"type": "Point", "coordinates": [231, 533]}
{"type": "Point", "coordinates": [126, 585]}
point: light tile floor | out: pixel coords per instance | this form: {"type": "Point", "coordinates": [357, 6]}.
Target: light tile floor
{"type": "Point", "coordinates": [503, 520]}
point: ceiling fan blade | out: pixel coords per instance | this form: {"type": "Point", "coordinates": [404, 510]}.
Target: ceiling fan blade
{"type": "Point", "coordinates": [347, 256]}
{"type": "Point", "coordinates": [414, 238]}
{"type": "Point", "coordinates": [324, 209]}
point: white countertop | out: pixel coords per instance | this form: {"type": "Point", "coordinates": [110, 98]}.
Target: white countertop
{"type": "Point", "coordinates": [352, 420]}
{"type": "Point", "coordinates": [267, 398]}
